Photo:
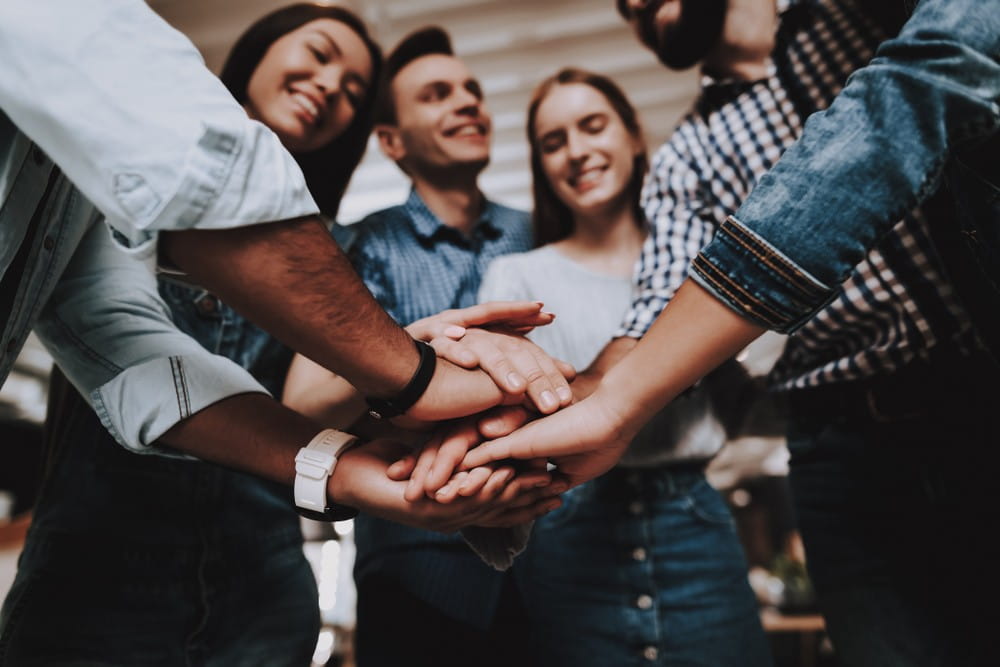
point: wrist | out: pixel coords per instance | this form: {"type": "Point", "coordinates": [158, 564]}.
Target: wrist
{"type": "Point", "coordinates": [339, 488]}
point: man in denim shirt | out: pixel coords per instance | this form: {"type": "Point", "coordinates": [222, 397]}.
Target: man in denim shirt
{"type": "Point", "coordinates": [887, 417]}
{"type": "Point", "coordinates": [419, 258]}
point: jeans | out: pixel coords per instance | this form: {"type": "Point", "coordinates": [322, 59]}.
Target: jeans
{"type": "Point", "coordinates": [139, 560]}
{"type": "Point", "coordinates": [640, 567]}
{"type": "Point", "coordinates": [897, 518]}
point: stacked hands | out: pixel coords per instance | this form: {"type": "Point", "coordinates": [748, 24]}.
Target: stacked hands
{"type": "Point", "coordinates": [490, 468]}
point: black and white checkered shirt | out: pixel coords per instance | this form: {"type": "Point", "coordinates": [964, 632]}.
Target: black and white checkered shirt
{"type": "Point", "coordinates": [894, 307]}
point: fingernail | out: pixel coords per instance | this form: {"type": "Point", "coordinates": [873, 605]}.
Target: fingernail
{"type": "Point", "coordinates": [548, 399]}
{"type": "Point", "coordinates": [565, 394]}
{"type": "Point", "coordinates": [515, 380]}
{"type": "Point", "coordinates": [454, 331]}
{"type": "Point", "coordinates": [541, 483]}
{"type": "Point", "coordinates": [444, 490]}
{"type": "Point", "coordinates": [553, 505]}
{"type": "Point", "coordinates": [558, 487]}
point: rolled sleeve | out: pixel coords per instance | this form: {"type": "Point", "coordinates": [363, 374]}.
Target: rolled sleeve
{"type": "Point", "coordinates": [108, 329]}
{"type": "Point", "coordinates": [876, 153]}
{"type": "Point", "coordinates": [124, 104]}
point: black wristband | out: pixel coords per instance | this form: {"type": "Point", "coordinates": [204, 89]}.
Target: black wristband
{"type": "Point", "coordinates": [387, 408]}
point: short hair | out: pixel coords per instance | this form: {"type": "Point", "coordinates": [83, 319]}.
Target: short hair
{"type": "Point", "coordinates": [552, 219]}
{"type": "Point", "coordinates": [426, 41]}
{"type": "Point", "coordinates": [327, 169]}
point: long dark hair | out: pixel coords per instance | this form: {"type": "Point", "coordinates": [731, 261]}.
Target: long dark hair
{"type": "Point", "coordinates": [552, 219]}
{"type": "Point", "coordinates": [328, 169]}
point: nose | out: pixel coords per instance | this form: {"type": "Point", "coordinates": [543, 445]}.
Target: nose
{"type": "Point", "coordinates": [329, 78]}
{"type": "Point", "coordinates": [467, 103]}
{"type": "Point", "coordinates": [577, 148]}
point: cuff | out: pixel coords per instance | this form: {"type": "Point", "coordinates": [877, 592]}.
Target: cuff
{"type": "Point", "coordinates": [143, 402]}
{"type": "Point", "coordinates": [757, 281]}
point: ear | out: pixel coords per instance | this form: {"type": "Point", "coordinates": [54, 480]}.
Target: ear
{"type": "Point", "coordinates": [390, 142]}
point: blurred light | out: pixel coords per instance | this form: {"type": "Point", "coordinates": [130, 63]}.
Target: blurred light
{"type": "Point", "coordinates": [324, 647]}
{"type": "Point", "coordinates": [329, 563]}
{"type": "Point", "coordinates": [740, 497]}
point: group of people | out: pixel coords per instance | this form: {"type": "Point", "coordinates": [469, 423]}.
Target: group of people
{"type": "Point", "coordinates": [873, 239]}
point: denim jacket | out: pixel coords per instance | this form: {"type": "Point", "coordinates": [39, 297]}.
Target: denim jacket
{"type": "Point", "coordinates": [877, 152]}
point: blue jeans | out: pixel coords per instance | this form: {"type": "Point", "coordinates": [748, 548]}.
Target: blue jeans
{"type": "Point", "coordinates": [897, 515]}
{"type": "Point", "coordinates": [640, 567]}
{"type": "Point", "coordinates": [140, 560]}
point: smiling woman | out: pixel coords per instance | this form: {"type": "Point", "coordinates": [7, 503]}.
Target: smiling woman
{"type": "Point", "coordinates": [148, 560]}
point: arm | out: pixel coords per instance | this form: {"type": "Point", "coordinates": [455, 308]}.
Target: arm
{"type": "Point", "coordinates": [876, 153]}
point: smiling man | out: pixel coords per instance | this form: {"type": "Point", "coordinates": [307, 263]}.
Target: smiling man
{"type": "Point", "coordinates": [419, 258]}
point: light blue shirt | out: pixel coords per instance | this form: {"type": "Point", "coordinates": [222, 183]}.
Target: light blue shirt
{"type": "Point", "coordinates": [124, 105]}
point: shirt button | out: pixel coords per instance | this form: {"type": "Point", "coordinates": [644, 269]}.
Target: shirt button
{"type": "Point", "coordinates": [650, 653]}
{"type": "Point", "coordinates": [644, 602]}
{"type": "Point", "coordinates": [636, 507]}
{"type": "Point", "coordinates": [639, 554]}
{"type": "Point", "coordinates": [207, 304]}
{"type": "Point", "coordinates": [49, 243]}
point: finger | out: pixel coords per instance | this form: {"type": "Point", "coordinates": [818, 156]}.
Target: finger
{"type": "Point", "coordinates": [475, 481]}
{"type": "Point", "coordinates": [548, 437]}
{"type": "Point", "coordinates": [502, 421]}
{"type": "Point", "coordinates": [449, 491]}
{"type": "Point", "coordinates": [566, 369]}
{"type": "Point", "coordinates": [497, 312]}
{"type": "Point", "coordinates": [500, 365]}
{"type": "Point", "coordinates": [449, 454]}
{"type": "Point", "coordinates": [496, 483]}
{"type": "Point", "coordinates": [550, 490]}
{"type": "Point", "coordinates": [401, 470]}
{"type": "Point", "coordinates": [418, 478]}
{"type": "Point", "coordinates": [456, 351]}
{"type": "Point", "coordinates": [552, 381]}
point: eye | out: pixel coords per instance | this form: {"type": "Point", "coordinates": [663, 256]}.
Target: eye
{"type": "Point", "coordinates": [354, 94]}
{"type": "Point", "coordinates": [319, 54]}
{"type": "Point", "coordinates": [594, 124]}
{"type": "Point", "coordinates": [551, 142]}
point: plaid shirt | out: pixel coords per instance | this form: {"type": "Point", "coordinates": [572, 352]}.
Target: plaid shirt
{"type": "Point", "coordinates": [895, 306]}
{"type": "Point", "coordinates": [417, 266]}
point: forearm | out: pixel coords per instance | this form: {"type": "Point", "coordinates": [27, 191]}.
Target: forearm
{"type": "Point", "coordinates": [292, 279]}
{"type": "Point", "coordinates": [874, 155]}
{"type": "Point", "coordinates": [248, 432]}
{"type": "Point", "coordinates": [693, 335]}
{"type": "Point", "coordinates": [588, 381]}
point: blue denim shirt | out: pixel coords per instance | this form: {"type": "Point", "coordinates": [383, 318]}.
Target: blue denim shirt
{"type": "Point", "coordinates": [876, 153]}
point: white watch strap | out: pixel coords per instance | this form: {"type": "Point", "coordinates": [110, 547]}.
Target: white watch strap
{"type": "Point", "coordinates": [315, 463]}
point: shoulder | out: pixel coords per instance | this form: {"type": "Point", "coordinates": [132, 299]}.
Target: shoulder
{"type": "Point", "coordinates": [512, 219]}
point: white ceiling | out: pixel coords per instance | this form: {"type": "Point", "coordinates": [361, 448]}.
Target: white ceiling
{"type": "Point", "coordinates": [509, 44]}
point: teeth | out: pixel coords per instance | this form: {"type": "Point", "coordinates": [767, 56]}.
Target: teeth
{"type": "Point", "coordinates": [307, 103]}
{"type": "Point", "coordinates": [589, 176]}
{"type": "Point", "coordinates": [468, 130]}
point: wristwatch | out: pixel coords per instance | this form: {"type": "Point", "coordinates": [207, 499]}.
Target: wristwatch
{"type": "Point", "coordinates": [313, 466]}
{"type": "Point", "coordinates": [387, 408]}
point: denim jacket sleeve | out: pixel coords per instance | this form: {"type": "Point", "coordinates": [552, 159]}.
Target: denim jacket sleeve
{"type": "Point", "coordinates": [876, 153]}
{"type": "Point", "coordinates": [108, 329]}
{"type": "Point", "coordinates": [124, 104]}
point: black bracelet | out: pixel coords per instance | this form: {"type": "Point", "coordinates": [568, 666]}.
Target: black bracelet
{"type": "Point", "coordinates": [387, 408]}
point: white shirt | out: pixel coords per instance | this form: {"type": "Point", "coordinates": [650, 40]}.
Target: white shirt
{"type": "Point", "coordinates": [124, 105]}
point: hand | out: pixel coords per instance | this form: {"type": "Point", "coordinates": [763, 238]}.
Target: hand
{"type": "Point", "coordinates": [515, 363]}
{"type": "Point", "coordinates": [583, 441]}
{"type": "Point", "coordinates": [433, 471]}
{"type": "Point", "coordinates": [514, 316]}
{"type": "Point", "coordinates": [360, 480]}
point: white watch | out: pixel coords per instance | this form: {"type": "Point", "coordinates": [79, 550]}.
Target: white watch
{"type": "Point", "coordinates": [313, 466]}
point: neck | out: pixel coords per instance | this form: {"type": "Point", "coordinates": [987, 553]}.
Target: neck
{"type": "Point", "coordinates": [607, 242]}
{"type": "Point", "coordinates": [744, 50]}
{"type": "Point", "coordinates": [457, 202]}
